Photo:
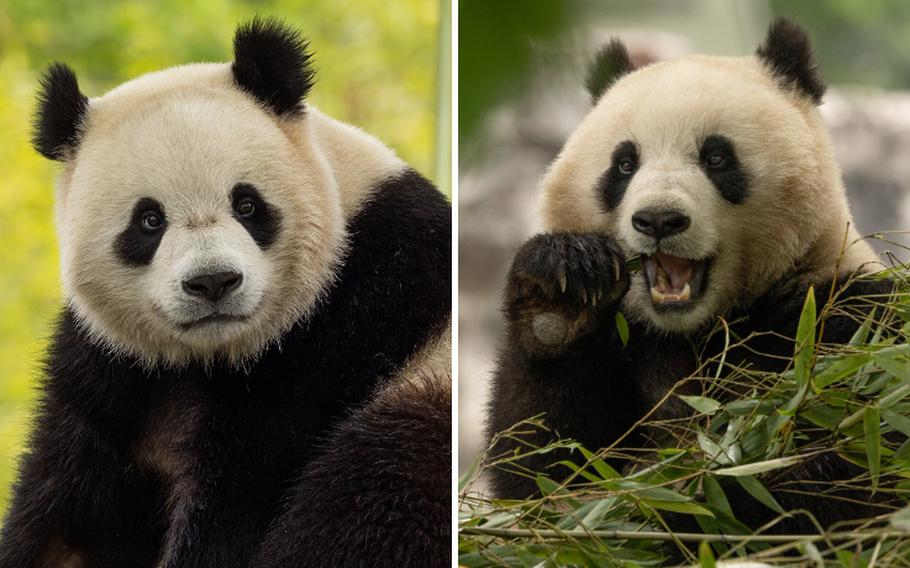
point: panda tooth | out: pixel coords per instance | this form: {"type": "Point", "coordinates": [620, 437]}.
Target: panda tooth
{"type": "Point", "coordinates": [656, 296]}
{"type": "Point", "coordinates": [686, 293]}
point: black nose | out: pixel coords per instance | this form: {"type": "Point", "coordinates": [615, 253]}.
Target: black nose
{"type": "Point", "coordinates": [212, 286]}
{"type": "Point", "coordinates": [660, 224]}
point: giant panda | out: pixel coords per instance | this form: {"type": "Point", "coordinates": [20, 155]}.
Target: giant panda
{"type": "Point", "coordinates": [252, 364]}
{"type": "Point", "coordinates": [719, 174]}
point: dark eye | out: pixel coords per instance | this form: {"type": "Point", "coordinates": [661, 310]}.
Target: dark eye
{"type": "Point", "coordinates": [151, 221]}
{"type": "Point", "coordinates": [626, 166]}
{"type": "Point", "coordinates": [716, 160]}
{"type": "Point", "coordinates": [245, 207]}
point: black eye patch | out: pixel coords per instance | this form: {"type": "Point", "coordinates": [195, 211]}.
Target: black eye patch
{"type": "Point", "coordinates": [717, 158]}
{"type": "Point", "coordinates": [136, 245]}
{"type": "Point", "coordinates": [612, 184]}
{"type": "Point", "coordinates": [262, 221]}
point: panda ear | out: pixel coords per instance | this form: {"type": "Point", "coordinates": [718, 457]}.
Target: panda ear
{"type": "Point", "coordinates": [611, 62]}
{"type": "Point", "coordinates": [788, 55]}
{"type": "Point", "coordinates": [57, 123]}
{"type": "Point", "coordinates": [272, 63]}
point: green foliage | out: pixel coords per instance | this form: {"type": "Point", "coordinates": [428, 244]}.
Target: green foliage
{"type": "Point", "coordinates": [747, 428]}
{"type": "Point", "coordinates": [376, 62]}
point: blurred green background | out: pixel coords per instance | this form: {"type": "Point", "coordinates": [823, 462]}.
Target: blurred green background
{"type": "Point", "coordinates": [381, 65]}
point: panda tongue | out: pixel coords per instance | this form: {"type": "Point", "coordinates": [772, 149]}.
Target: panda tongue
{"type": "Point", "coordinates": [679, 270]}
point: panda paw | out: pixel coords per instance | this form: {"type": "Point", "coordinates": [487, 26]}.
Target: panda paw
{"type": "Point", "coordinates": [560, 287]}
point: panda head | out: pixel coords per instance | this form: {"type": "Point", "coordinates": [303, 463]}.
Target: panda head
{"type": "Point", "coordinates": [717, 170]}
{"type": "Point", "coordinates": [196, 218]}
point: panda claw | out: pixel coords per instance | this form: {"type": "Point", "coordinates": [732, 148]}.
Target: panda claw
{"type": "Point", "coordinates": [562, 281]}
{"type": "Point", "coordinates": [584, 296]}
{"type": "Point", "coordinates": [615, 269]}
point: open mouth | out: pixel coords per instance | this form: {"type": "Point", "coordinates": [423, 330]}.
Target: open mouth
{"type": "Point", "coordinates": [212, 319]}
{"type": "Point", "coordinates": [674, 281]}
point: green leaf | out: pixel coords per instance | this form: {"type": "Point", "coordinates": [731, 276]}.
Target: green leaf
{"type": "Point", "coordinates": [872, 433]}
{"type": "Point", "coordinates": [901, 519]}
{"type": "Point", "coordinates": [758, 467]}
{"type": "Point", "coordinates": [898, 421]}
{"type": "Point", "coordinates": [702, 404]}
{"type": "Point", "coordinates": [895, 362]}
{"type": "Point", "coordinates": [705, 555]}
{"type": "Point", "coordinates": [755, 488]}
{"type": "Point", "coordinates": [714, 494]}
{"type": "Point", "coordinates": [841, 369]}
{"type": "Point", "coordinates": [622, 327]}
{"type": "Point", "coordinates": [805, 340]}
{"type": "Point", "coordinates": [689, 508]}
{"type": "Point", "coordinates": [547, 486]}
{"type": "Point", "coordinates": [602, 467]}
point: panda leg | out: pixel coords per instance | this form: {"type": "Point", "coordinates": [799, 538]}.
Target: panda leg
{"type": "Point", "coordinates": [563, 356]}
{"type": "Point", "coordinates": [381, 493]}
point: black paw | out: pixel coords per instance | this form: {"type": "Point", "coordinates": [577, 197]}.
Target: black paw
{"type": "Point", "coordinates": [573, 268]}
{"type": "Point", "coordinates": [561, 284]}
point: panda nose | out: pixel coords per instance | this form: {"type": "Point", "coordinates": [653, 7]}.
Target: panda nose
{"type": "Point", "coordinates": [213, 287]}
{"type": "Point", "coordinates": [660, 224]}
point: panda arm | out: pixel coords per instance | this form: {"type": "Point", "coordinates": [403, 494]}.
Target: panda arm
{"type": "Point", "coordinates": [576, 375]}
{"type": "Point", "coordinates": [73, 492]}
{"type": "Point", "coordinates": [379, 495]}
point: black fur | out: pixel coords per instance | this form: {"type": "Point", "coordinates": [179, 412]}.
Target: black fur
{"type": "Point", "coordinates": [612, 184]}
{"type": "Point", "coordinates": [60, 113]}
{"type": "Point", "coordinates": [136, 246]}
{"type": "Point", "coordinates": [593, 390]}
{"type": "Point", "coordinates": [729, 178]}
{"type": "Point", "coordinates": [788, 54]}
{"type": "Point", "coordinates": [610, 63]}
{"type": "Point", "coordinates": [272, 63]}
{"type": "Point", "coordinates": [192, 467]}
{"type": "Point", "coordinates": [265, 223]}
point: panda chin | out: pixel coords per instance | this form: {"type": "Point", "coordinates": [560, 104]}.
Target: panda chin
{"type": "Point", "coordinates": [215, 320]}
{"type": "Point", "coordinates": [675, 283]}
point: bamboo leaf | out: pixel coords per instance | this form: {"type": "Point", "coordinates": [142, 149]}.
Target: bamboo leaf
{"type": "Point", "coordinates": [901, 519]}
{"type": "Point", "coordinates": [898, 421]}
{"type": "Point", "coordinates": [805, 340]}
{"type": "Point", "coordinates": [872, 434]}
{"type": "Point", "coordinates": [622, 327]}
{"type": "Point", "coordinates": [758, 467]}
{"type": "Point", "coordinates": [705, 555]}
{"type": "Point", "coordinates": [714, 494]}
{"type": "Point", "coordinates": [689, 508]}
{"type": "Point", "coordinates": [755, 488]}
{"type": "Point", "coordinates": [702, 404]}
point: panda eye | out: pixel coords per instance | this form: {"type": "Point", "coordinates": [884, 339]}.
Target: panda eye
{"type": "Point", "coordinates": [245, 207]}
{"type": "Point", "coordinates": [151, 221]}
{"type": "Point", "coordinates": [716, 161]}
{"type": "Point", "coordinates": [626, 166]}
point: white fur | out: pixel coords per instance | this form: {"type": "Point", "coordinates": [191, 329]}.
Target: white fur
{"type": "Point", "coordinates": [185, 136]}
{"type": "Point", "coordinates": [796, 211]}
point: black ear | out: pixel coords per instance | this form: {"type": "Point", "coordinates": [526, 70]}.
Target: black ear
{"type": "Point", "coordinates": [271, 62]}
{"type": "Point", "coordinates": [788, 54]}
{"type": "Point", "coordinates": [57, 124]}
{"type": "Point", "coordinates": [610, 63]}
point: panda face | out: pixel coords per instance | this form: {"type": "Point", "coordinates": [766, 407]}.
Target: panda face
{"type": "Point", "coordinates": [194, 225]}
{"type": "Point", "coordinates": [719, 178]}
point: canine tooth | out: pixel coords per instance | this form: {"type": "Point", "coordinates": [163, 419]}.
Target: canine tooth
{"type": "Point", "coordinates": [686, 293]}
{"type": "Point", "coordinates": [656, 296]}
